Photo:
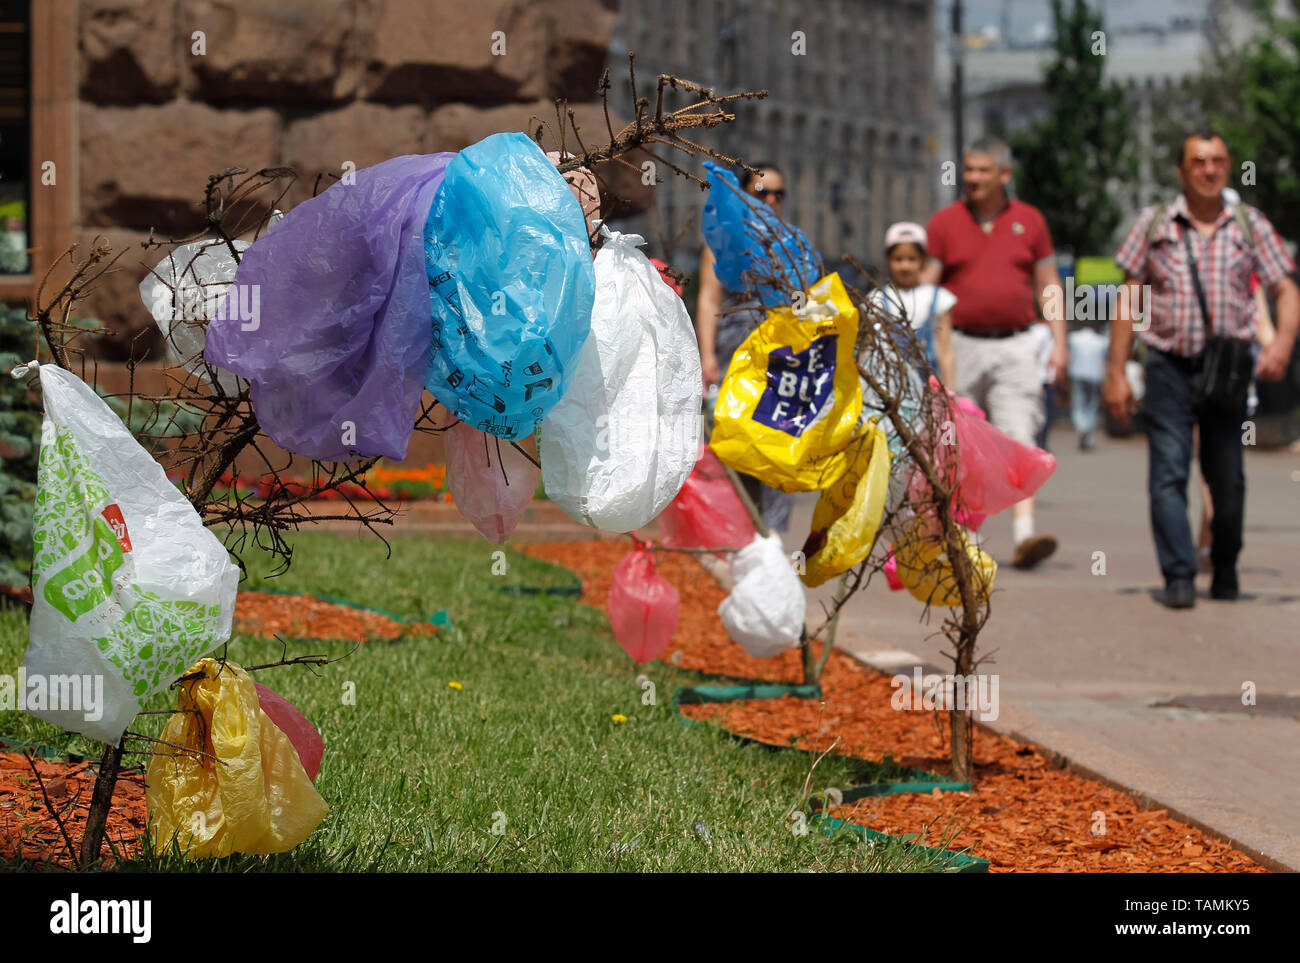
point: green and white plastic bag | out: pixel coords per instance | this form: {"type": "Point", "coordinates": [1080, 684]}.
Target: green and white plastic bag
{"type": "Point", "coordinates": [128, 585]}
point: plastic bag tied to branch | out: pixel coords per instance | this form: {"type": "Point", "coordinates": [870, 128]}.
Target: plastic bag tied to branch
{"type": "Point", "coordinates": [129, 587]}
{"type": "Point", "coordinates": [236, 784]}
{"type": "Point", "coordinates": [491, 482]}
{"type": "Point", "coordinates": [617, 448]}
{"type": "Point", "coordinates": [183, 293]}
{"type": "Point", "coordinates": [707, 512]}
{"type": "Point", "coordinates": [848, 513]}
{"type": "Point", "coordinates": [511, 285]}
{"type": "Point", "coordinates": [764, 613]}
{"type": "Point", "coordinates": [329, 315]}
{"type": "Point", "coordinates": [643, 607]}
{"type": "Point", "coordinates": [790, 401]}
{"type": "Point", "coordinates": [753, 249]}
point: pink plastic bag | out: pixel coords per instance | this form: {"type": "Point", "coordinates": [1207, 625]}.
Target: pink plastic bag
{"type": "Point", "coordinates": [707, 512]}
{"type": "Point", "coordinates": [993, 471]}
{"type": "Point", "coordinates": [643, 608]}
{"type": "Point", "coordinates": [491, 482]}
{"type": "Point", "coordinates": [304, 736]}
{"type": "Point", "coordinates": [891, 572]}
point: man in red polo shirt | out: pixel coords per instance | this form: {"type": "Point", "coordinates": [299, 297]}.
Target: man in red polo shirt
{"type": "Point", "coordinates": [995, 254]}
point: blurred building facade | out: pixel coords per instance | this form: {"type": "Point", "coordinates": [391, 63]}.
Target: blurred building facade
{"type": "Point", "coordinates": [849, 115]}
{"type": "Point", "coordinates": [134, 103]}
{"type": "Point", "coordinates": [1003, 77]}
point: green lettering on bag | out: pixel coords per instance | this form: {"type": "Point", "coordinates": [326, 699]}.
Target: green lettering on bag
{"type": "Point", "coordinates": [87, 581]}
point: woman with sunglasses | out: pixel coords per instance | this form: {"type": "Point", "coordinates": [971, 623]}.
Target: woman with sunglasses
{"type": "Point", "coordinates": [723, 319]}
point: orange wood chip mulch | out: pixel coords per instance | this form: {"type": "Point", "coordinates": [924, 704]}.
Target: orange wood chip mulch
{"type": "Point", "coordinates": [28, 831]}
{"type": "Point", "coordinates": [307, 617]}
{"type": "Point", "coordinates": [1025, 815]}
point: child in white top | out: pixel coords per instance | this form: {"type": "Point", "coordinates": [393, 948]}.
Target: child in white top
{"type": "Point", "coordinates": [925, 306]}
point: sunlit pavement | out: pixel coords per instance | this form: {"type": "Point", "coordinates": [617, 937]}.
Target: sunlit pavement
{"type": "Point", "coordinates": [1083, 658]}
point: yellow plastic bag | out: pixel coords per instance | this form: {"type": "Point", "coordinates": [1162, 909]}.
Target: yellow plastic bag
{"type": "Point", "coordinates": [925, 570]}
{"type": "Point", "coordinates": [256, 799]}
{"type": "Point", "coordinates": [789, 404]}
{"type": "Point", "coordinates": [846, 517]}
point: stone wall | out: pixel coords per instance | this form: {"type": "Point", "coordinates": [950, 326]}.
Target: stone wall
{"type": "Point", "coordinates": [175, 90]}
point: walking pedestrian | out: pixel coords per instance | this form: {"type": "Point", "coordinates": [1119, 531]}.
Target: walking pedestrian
{"type": "Point", "coordinates": [1045, 341]}
{"type": "Point", "coordinates": [1196, 255]}
{"type": "Point", "coordinates": [995, 254]}
{"type": "Point", "coordinates": [925, 307]}
{"type": "Point", "coordinates": [1087, 370]}
{"type": "Point", "coordinates": [724, 319]}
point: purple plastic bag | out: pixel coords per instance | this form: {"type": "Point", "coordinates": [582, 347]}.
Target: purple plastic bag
{"type": "Point", "coordinates": [329, 315]}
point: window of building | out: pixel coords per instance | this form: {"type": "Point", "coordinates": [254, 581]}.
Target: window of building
{"type": "Point", "coordinates": [15, 137]}
{"type": "Point", "coordinates": [38, 166]}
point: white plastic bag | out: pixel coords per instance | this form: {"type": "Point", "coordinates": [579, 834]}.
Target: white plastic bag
{"type": "Point", "coordinates": [491, 482]}
{"type": "Point", "coordinates": [764, 614]}
{"type": "Point", "coordinates": [130, 588]}
{"type": "Point", "coordinates": [617, 448]}
{"type": "Point", "coordinates": [183, 293]}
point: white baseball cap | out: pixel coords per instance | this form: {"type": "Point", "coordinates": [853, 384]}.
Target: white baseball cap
{"type": "Point", "coordinates": [905, 232]}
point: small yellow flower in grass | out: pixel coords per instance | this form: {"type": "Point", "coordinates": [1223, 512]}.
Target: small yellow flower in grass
{"type": "Point", "coordinates": [619, 717]}
{"type": "Point", "coordinates": [455, 685]}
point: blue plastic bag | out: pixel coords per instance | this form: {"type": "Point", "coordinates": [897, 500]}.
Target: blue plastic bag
{"type": "Point", "coordinates": [328, 316]}
{"type": "Point", "coordinates": [740, 229]}
{"type": "Point", "coordinates": [511, 284]}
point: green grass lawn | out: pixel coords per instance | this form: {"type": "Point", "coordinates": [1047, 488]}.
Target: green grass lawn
{"type": "Point", "coordinates": [418, 774]}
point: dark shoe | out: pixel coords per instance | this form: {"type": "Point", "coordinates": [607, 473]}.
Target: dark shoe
{"type": "Point", "coordinates": [1033, 550]}
{"type": "Point", "coordinates": [1087, 441]}
{"type": "Point", "coordinates": [1180, 593]}
{"type": "Point", "coordinates": [1224, 586]}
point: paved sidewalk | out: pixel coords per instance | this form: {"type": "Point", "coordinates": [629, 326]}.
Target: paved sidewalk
{"type": "Point", "coordinates": [1083, 659]}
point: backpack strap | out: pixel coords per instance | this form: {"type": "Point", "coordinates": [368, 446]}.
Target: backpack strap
{"type": "Point", "coordinates": [1242, 216]}
{"type": "Point", "coordinates": [1154, 227]}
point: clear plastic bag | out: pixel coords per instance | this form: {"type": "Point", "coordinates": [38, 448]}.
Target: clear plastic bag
{"type": "Point", "coordinates": [183, 293]}
{"type": "Point", "coordinates": [585, 189]}
{"type": "Point", "coordinates": [643, 607]}
{"type": "Point", "coordinates": [511, 286]}
{"type": "Point", "coordinates": [620, 444]}
{"type": "Point", "coordinates": [329, 315]}
{"type": "Point", "coordinates": [129, 587]}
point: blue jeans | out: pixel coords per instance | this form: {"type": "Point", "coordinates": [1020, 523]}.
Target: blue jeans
{"type": "Point", "coordinates": [1170, 418]}
{"type": "Point", "coordinates": [1049, 410]}
{"type": "Point", "coordinates": [1085, 401]}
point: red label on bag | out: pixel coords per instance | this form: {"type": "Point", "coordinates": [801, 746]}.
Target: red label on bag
{"type": "Point", "coordinates": [113, 515]}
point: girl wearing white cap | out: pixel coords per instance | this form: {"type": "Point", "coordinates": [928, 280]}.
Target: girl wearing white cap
{"type": "Point", "coordinates": [925, 306]}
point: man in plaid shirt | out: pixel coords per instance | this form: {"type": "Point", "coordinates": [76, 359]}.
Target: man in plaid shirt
{"type": "Point", "coordinates": [1172, 325]}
